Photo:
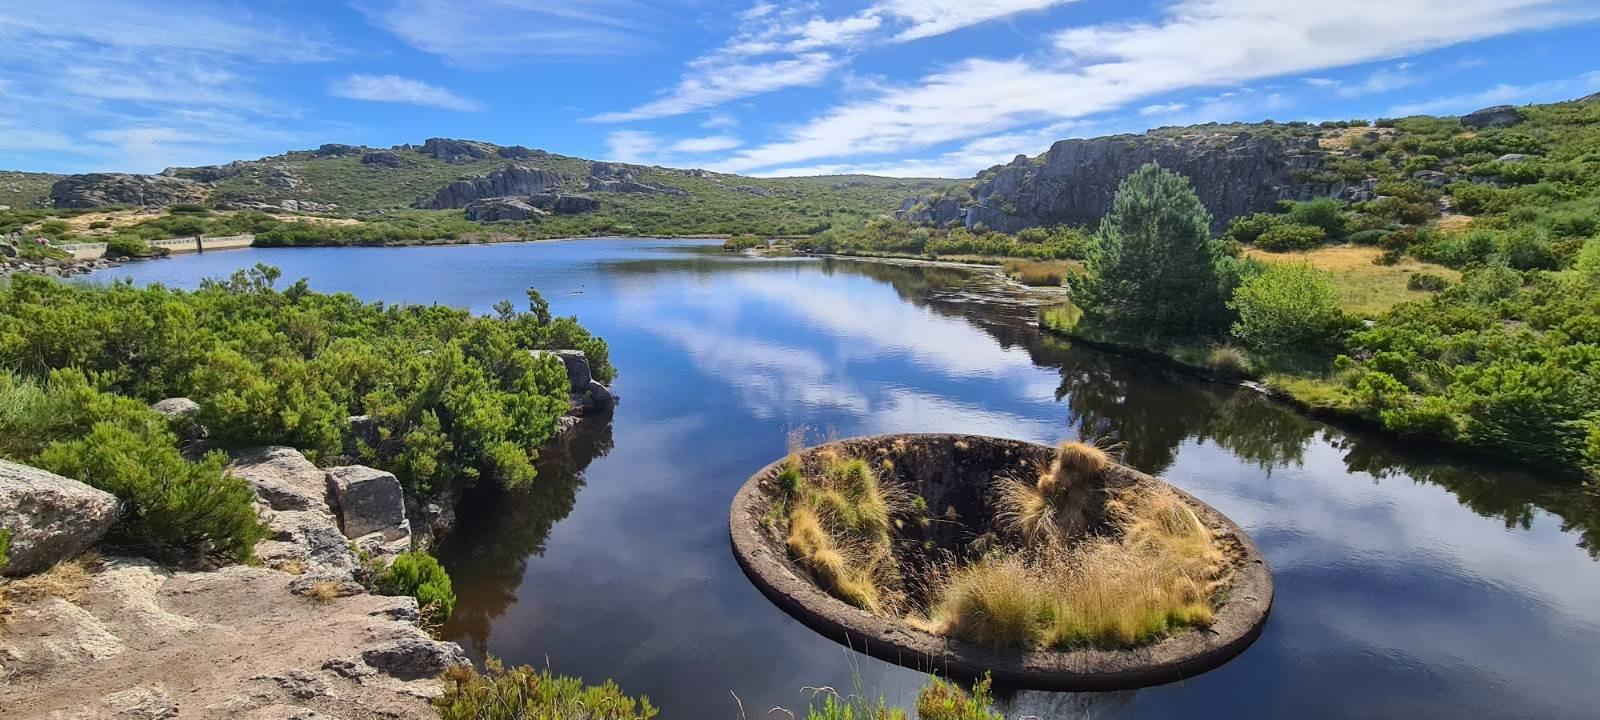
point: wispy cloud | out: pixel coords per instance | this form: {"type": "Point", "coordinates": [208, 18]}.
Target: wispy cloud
{"type": "Point", "coordinates": [635, 146]}
{"type": "Point", "coordinates": [1503, 94]}
{"type": "Point", "coordinates": [501, 32]}
{"type": "Point", "coordinates": [1100, 68]}
{"type": "Point", "coordinates": [396, 89]}
{"type": "Point", "coordinates": [778, 47]}
{"type": "Point", "coordinates": [714, 81]}
{"type": "Point", "coordinates": [1383, 80]}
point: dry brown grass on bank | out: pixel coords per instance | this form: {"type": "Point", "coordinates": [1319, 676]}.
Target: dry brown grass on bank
{"type": "Point", "coordinates": [1365, 289]}
{"type": "Point", "coordinates": [1158, 574]}
{"type": "Point", "coordinates": [324, 591]}
{"type": "Point", "coordinates": [839, 525]}
{"type": "Point", "coordinates": [67, 581]}
{"type": "Point", "coordinates": [1039, 273]}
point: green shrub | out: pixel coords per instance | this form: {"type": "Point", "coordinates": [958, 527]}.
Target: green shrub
{"type": "Point", "coordinates": [1247, 229]}
{"type": "Point", "coordinates": [5, 548]}
{"type": "Point", "coordinates": [742, 242]}
{"type": "Point", "coordinates": [523, 693]}
{"type": "Point", "coordinates": [119, 445]}
{"type": "Point", "coordinates": [187, 209]}
{"type": "Point", "coordinates": [1326, 214]}
{"type": "Point", "coordinates": [1368, 237]}
{"type": "Point", "coordinates": [1228, 362]}
{"type": "Point", "coordinates": [169, 504]}
{"type": "Point", "coordinates": [131, 246]}
{"type": "Point", "coordinates": [1287, 307]}
{"type": "Point", "coordinates": [1282, 238]}
{"type": "Point", "coordinates": [1428, 282]}
{"type": "Point", "coordinates": [419, 575]}
{"type": "Point", "coordinates": [100, 225]}
{"type": "Point", "coordinates": [944, 700]}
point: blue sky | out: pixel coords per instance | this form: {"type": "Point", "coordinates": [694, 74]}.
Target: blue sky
{"type": "Point", "coordinates": [897, 87]}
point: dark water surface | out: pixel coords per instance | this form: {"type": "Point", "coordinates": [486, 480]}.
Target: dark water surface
{"type": "Point", "coordinates": [1410, 584]}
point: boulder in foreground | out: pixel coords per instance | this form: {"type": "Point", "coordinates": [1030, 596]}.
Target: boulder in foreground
{"type": "Point", "coordinates": [50, 518]}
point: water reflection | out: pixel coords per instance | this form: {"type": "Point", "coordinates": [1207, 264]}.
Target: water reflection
{"type": "Point", "coordinates": [500, 531]}
{"type": "Point", "coordinates": [1410, 582]}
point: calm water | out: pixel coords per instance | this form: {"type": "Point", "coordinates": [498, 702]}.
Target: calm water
{"type": "Point", "coordinates": [1409, 584]}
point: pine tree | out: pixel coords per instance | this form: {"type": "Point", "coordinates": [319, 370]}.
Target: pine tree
{"type": "Point", "coordinates": [1153, 266]}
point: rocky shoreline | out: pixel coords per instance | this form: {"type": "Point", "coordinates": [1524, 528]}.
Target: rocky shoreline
{"type": "Point", "coordinates": [57, 268]}
{"type": "Point", "coordinates": [298, 634]}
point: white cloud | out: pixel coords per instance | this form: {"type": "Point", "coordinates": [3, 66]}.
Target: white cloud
{"type": "Point", "coordinates": [937, 17]}
{"type": "Point", "coordinates": [508, 31]}
{"type": "Point", "coordinates": [713, 143]}
{"type": "Point", "coordinates": [631, 146]}
{"type": "Point", "coordinates": [714, 81]}
{"type": "Point", "coordinates": [636, 146]}
{"type": "Point", "coordinates": [396, 89]}
{"type": "Point", "coordinates": [1551, 91]}
{"type": "Point", "coordinates": [1382, 80]}
{"type": "Point", "coordinates": [157, 25]}
{"type": "Point", "coordinates": [790, 46]}
{"type": "Point", "coordinates": [1104, 67]}
{"type": "Point", "coordinates": [1163, 109]}
{"type": "Point", "coordinates": [1322, 82]}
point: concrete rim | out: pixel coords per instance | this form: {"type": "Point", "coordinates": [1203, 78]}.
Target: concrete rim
{"type": "Point", "coordinates": [1239, 621]}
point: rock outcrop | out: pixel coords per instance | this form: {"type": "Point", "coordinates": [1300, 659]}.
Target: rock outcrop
{"type": "Point", "coordinates": [102, 189]}
{"type": "Point", "coordinates": [369, 501]}
{"type": "Point", "coordinates": [1498, 116]}
{"type": "Point", "coordinates": [383, 158]}
{"type": "Point", "coordinates": [283, 478]}
{"type": "Point", "coordinates": [586, 394]}
{"type": "Point", "coordinates": [507, 181]}
{"type": "Point", "coordinates": [620, 178]}
{"type": "Point", "coordinates": [143, 642]}
{"type": "Point", "coordinates": [282, 178]}
{"type": "Point", "coordinates": [518, 152]}
{"type": "Point", "coordinates": [564, 204]}
{"type": "Point", "coordinates": [50, 518]}
{"type": "Point", "coordinates": [336, 150]}
{"type": "Point", "coordinates": [1234, 173]}
{"type": "Point", "coordinates": [501, 208]}
{"type": "Point", "coordinates": [458, 151]}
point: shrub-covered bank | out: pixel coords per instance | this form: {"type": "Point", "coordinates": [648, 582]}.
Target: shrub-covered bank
{"type": "Point", "coordinates": [1505, 361]}
{"type": "Point", "coordinates": [452, 397]}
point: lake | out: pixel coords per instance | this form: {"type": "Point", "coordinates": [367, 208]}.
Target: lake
{"type": "Point", "coordinates": [1411, 583]}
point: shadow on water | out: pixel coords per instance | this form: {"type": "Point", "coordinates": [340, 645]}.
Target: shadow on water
{"type": "Point", "coordinates": [498, 531]}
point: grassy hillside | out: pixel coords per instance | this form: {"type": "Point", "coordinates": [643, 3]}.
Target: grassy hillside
{"type": "Point", "coordinates": [716, 203]}
{"type": "Point", "coordinates": [25, 190]}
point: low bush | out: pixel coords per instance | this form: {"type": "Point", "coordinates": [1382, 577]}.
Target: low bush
{"type": "Point", "coordinates": [1427, 282]}
{"type": "Point", "coordinates": [5, 548]}
{"type": "Point", "coordinates": [1246, 229]}
{"type": "Point", "coordinates": [131, 246]}
{"type": "Point", "coordinates": [67, 426]}
{"type": "Point", "coordinates": [523, 693]}
{"type": "Point", "coordinates": [1228, 362]}
{"type": "Point", "coordinates": [1287, 307]}
{"type": "Point", "coordinates": [1325, 214]}
{"type": "Point", "coordinates": [1283, 238]}
{"type": "Point", "coordinates": [742, 242]}
{"type": "Point", "coordinates": [418, 574]}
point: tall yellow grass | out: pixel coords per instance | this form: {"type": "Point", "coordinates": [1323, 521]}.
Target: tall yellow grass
{"type": "Point", "coordinates": [1053, 507]}
{"type": "Point", "coordinates": [1157, 575]}
{"type": "Point", "coordinates": [839, 529]}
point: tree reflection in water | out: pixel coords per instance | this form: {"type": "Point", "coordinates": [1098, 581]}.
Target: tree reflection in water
{"type": "Point", "coordinates": [499, 530]}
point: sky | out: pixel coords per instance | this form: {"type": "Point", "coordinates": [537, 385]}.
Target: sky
{"type": "Point", "coordinates": [913, 88]}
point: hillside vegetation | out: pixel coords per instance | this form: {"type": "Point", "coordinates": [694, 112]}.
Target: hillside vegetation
{"type": "Point", "coordinates": [1493, 342]}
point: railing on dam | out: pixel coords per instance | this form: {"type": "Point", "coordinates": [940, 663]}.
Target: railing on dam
{"type": "Point", "coordinates": [97, 250]}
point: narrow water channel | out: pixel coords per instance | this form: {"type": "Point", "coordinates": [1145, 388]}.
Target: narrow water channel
{"type": "Point", "coordinates": [1410, 584]}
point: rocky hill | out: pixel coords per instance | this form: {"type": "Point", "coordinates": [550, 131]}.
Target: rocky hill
{"type": "Point", "coordinates": [1236, 169]}
{"type": "Point", "coordinates": [489, 183]}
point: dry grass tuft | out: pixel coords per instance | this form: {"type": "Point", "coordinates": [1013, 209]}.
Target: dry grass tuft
{"type": "Point", "coordinates": [1157, 575]}
{"type": "Point", "coordinates": [1055, 507]}
{"type": "Point", "coordinates": [323, 591]}
{"type": "Point", "coordinates": [67, 581]}
{"type": "Point", "coordinates": [839, 529]}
